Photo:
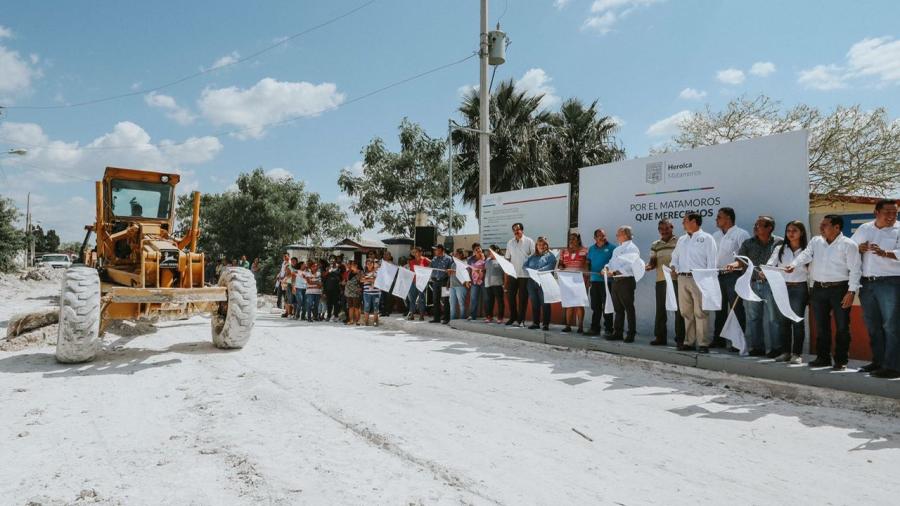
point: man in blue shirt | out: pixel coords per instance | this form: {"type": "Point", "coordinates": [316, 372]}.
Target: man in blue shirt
{"type": "Point", "coordinates": [439, 278]}
{"type": "Point", "coordinates": [598, 256]}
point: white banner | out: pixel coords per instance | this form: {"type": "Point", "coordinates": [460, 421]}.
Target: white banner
{"type": "Point", "coordinates": [404, 281]}
{"type": "Point", "coordinates": [608, 307]}
{"type": "Point", "coordinates": [505, 264]}
{"type": "Point", "coordinates": [780, 293]}
{"type": "Point", "coordinates": [548, 285]}
{"type": "Point", "coordinates": [385, 276]}
{"type": "Point", "coordinates": [641, 191]}
{"type": "Point", "coordinates": [742, 285]}
{"type": "Point", "coordinates": [572, 289]}
{"type": "Point", "coordinates": [733, 332]}
{"type": "Point", "coordinates": [543, 210]}
{"type": "Point", "coordinates": [423, 275]}
{"type": "Point", "coordinates": [708, 282]}
{"type": "Point", "coordinates": [462, 271]}
{"type": "Point", "coordinates": [671, 298]}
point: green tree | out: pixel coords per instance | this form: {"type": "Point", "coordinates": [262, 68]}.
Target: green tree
{"type": "Point", "coordinates": [851, 151]}
{"type": "Point", "coordinates": [520, 144]}
{"type": "Point", "coordinates": [581, 138]}
{"type": "Point", "coordinates": [12, 240]}
{"type": "Point", "coordinates": [394, 187]}
{"type": "Point", "coordinates": [51, 242]}
{"type": "Point", "coordinates": [261, 217]}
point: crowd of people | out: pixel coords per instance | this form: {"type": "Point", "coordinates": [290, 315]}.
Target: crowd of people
{"type": "Point", "coordinates": [824, 273]}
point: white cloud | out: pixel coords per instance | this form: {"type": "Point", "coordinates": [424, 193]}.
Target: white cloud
{"type": "Point", "coordinates": [5, 33]}
{"type": "Point", "coordinates": [561, 4]}
{"type": "Point", "coordinates": [228, 59]}
{"type": "Point", "coordinates": [356, 168]}
{"type": "Point", "coordinates": [465, 89]}
{"type": "Point", "coordinates": [175, 112]}
{"type": "Point", "coordinates": [869, 58]}
{"type": "Point", "coordinates": [762, 68]}
{"type": "Point", "coordinates": [537, 82]}
{"type": "Point", "coordinates": [822, 77]}
{"type": "Point", "coordinates": [606, 13]}
{"type": "Point", "coordinates": [277, 174]}
{"type": "Point", "coordinates": [730, 76]}
{"type": "Point", "coordinates": [667, 127]}
{"type": "Point", "coordinates": [692, 94]}
{"type": "Point", "coordinates": [267, 101]}
{"type": "Point", "coordinates": [16, 74]}
{"type": "Point", "coordinates": [58, 161]}
{"type": "Point", "coordinates": [619, 122]}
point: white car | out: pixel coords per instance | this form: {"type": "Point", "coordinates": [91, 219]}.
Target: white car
{"type": "Point", "coordinates": [57, 261]}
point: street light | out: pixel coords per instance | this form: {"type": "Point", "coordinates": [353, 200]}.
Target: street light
{"type": "Point", "coordinates": [451, 126]}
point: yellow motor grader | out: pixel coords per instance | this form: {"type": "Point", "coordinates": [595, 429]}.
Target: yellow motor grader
{"type": "Point", "coordinates": [140, 271]}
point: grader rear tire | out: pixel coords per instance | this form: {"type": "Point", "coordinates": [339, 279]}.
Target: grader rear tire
{"type": "Point", "coordinates": [79, 316]}
{"type": "Point", "coordinates": [233, 321]}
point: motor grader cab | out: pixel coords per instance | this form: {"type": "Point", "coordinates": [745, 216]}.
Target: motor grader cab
{"type": "Point", "coordinates": [140, 270]}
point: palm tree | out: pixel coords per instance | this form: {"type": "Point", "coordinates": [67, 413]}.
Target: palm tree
{"type": "Point", "coordinates": [520, 154]}
{"type": "Point", "coordinates": [581, 138]}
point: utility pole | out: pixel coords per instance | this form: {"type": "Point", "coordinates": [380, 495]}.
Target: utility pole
{"type": "Point", "coordinates": [27, 228]}
{"type": "Point", "coordinates": [450, 178]}
{"type": "Point", "coordinates": [484, 143]}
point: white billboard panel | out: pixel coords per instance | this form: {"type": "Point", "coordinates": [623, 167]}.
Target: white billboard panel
{"type": "Point", "coordinates": [763, 176]}
{"type": "Point", "coordinates": [544, 211]}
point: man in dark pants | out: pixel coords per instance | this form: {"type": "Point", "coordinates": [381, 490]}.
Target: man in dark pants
{"type": "Point", "coordinates": [623, 285]}
{"type": "Point", "coordinates": [518, 249]}
{"type": "Point", "coordinates": [835, 274]}
{"type": "Point", "coordinates": [729, 238]}
{"type": "Point", "coordinates": [597, 257]}
{"type": "Point", "coordinates": [660, 257]}
{"type": "Point", "coordinates": [439, 279]}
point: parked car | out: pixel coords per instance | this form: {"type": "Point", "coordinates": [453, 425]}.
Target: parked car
{"type": "Point", "coordinates": [57, 261]}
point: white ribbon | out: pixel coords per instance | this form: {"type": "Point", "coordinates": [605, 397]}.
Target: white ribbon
{"type": "Point", "coordinates": [671, 298]}
{"type": "Point", "coordinates": [733, 332]}
{"type": "Point", "coordinates": [404, 281]}
{"type": "Point", "coordinates": [385, 276]}
{"type": "Point", "coordinates": [462, 271]}
{"type": "Point", "coordinates": [608, 307]}
{"type": "Point", "coordinates": [707, 281]}
{"type": "Point", "coordinates": [780, 293]}
{"type": "Point", "coordinates": [572, 289]}
{"type": "Point", "coordinates": [638, 267]}
{"type": "Point", "coordinates": [423, 274]}
{"type": "Point", "coordinates": [548, 285]}
{"type": "Point", "coordinates": [505, 264]}
{"type": "Point", "coordinates": [742, 285]}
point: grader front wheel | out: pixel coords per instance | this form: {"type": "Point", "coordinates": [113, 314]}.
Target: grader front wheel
{"type": "Point", "coordinates": [79, 316]}
{"type": "Point", "coordinates": [233, 321]}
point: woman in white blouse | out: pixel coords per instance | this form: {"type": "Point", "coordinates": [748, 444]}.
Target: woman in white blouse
{"type": "Point", "coordinates": [798, 290]}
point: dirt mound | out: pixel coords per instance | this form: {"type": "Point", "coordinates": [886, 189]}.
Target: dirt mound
{"type": "Point", "coordinates": [44, 336]}
{"type": "Point", "coordinates": [43, 274]}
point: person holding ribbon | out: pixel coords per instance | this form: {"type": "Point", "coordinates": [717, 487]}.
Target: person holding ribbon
{"type": "Point", "coordinates": [791, 333]}
{"type": "Point", "coordinates": [416, 298]}
{"type": "Point", "coordinates": [493, 287]}
{"type": "Point", "coordinates": [574, 258]}
{"type": "Point", "coordinates": [729, 238]}
{"type": "Point", "coordinates": [621, 268]}
{"type": "Point", "coordinates": [440, 263]}
{"type": "Point", "coordinates": [660, 258]}
{"type": "Point", "coordinates": [695, 249]}
{"type": "Point", "coordinates": [762, 316]}
{"type": "Point", "coordinates": [598, 256]}
{"type": "Point", "coordinates": [541, 260]}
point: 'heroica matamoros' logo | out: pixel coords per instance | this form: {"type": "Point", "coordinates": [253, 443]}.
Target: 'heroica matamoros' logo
{"type": "Point", "coordinates": [655, 172]}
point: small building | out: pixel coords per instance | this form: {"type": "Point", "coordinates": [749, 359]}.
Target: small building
{"type": "Point", "coordinates": [399, 246]}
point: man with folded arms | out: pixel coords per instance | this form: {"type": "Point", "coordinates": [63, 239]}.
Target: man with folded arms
{"type": "Point", "coordinates": [695, 250]}
{"type": "Point", "coordinates": [623, 285]}
{"type": "Point", "coordinates": [835, 274]}
{"type": "Point", "coordinates": [879, 244]}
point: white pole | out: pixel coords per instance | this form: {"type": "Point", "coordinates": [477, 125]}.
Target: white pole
{"type": "Point", "coordinates": [484, 146]}
{"type": "Point", "coordinates": [27, 228]}
{"type": "Point", "coordinates": [450, 182]}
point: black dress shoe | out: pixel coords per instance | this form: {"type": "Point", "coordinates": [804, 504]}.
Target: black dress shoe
{"type": "Point", "coordinates": [567, 329]}
{"type": "Point", "coordinates": [685, 347]}
{"type": "Point", "coordinates": [534, 326]}
{"type": "Point", "coordinates": [612, 337]}
{"type": "Point", "coordinates": [703, 349]}
{"type": "Point", "coordinates": [872, 367]}
{"type": "Point", "coordinates": [820, 362]}
{"type": "Point", "coordinates": [839, 367]}
{"type": "Point", "coordinates": [546, 327]}
{"type": "Point", "coordinates": [718, 342]}
{"type": "Point", "coordinates": [592, 332]}
{"type": "Point", "coordinates": [732, 349]}
{"type": "Point", "coordinates": [773, 354]}
{"type": "Point", "coordinates": [509, 322]}
{"type": "Point", "coordinates": [758, 353]}
{"type": "Point", "coordinates": [658, 342]}
{"type": "Point", "coordinates": [629, 339]}
{"type": "Point", "coordinates": [886, 374]}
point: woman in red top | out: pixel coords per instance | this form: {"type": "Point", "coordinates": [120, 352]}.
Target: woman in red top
{"type": "Point", "coordinates": [574, 258]}
{"type": "Point", "coordinates": [415, 300]}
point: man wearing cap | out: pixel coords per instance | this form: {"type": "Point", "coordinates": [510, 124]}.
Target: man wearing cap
{"type": "Point", "coordinates": [441, 263]}
{"type": "Point", "coordinates": [518, 249]}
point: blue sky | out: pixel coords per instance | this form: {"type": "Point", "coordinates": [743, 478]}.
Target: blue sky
{"type": "Point", "coordinates": [646, 61]}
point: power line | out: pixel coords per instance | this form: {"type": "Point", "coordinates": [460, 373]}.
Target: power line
{"type": "Point", "coordinates": [264, 125]}
{"type": "Point", "coordinates": [195, 74]}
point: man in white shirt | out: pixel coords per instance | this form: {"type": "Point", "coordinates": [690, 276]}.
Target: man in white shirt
{"type": "Point", "coordinates": [518, 249]}
{"type": "Point", "coordinates": [835, 275]}
{"type": "Point", "coordinates": [695, 250]}
{"type": "Point", "coordinates": [729, 238]}
{"type": "Point", "coordinates": [879, 293]}
{"type": "Point", "coordinates": [623, 285]}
